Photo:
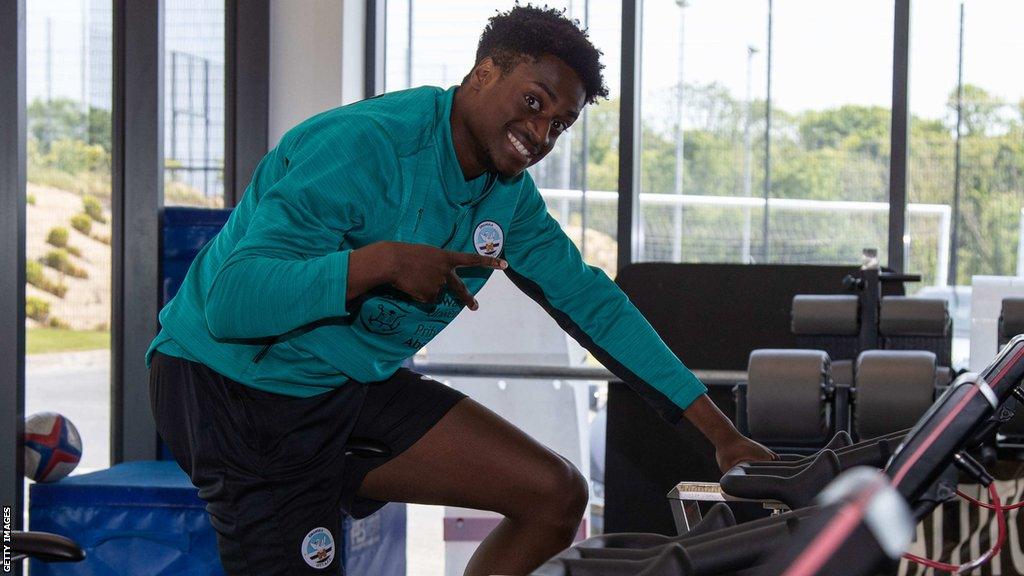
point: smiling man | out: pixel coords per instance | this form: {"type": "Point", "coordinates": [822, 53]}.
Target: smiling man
{"type": "Point", "coordinates": [361, 236]}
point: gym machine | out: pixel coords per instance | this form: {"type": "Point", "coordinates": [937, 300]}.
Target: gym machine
{"type": "Point", "coordinates": [923, 469]}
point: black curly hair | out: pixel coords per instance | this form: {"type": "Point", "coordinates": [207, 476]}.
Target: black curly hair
{"type": "Point", "coordinates": [531, 32]}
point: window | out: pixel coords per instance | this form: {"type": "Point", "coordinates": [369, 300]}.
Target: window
{"type": "Point", "coordinates": [706, 170]}
{"type": "Point", "coordinates": [68, 259]}
{"type": "Point", "coordinates": [966, 156]}
{"type": "Point", "coordinates": [194, 103]}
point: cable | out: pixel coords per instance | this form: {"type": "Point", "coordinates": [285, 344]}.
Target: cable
{"type": "Point", "coordinates": [997, 506]}
{"type": "Point", "coordinates": [988, 506]}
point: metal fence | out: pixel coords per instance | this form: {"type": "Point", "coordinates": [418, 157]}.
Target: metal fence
{"type": "Point", "coordinates": [727, 229]}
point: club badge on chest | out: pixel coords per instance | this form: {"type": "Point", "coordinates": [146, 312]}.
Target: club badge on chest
{"type": "Point", "coordinates": [488, 238]}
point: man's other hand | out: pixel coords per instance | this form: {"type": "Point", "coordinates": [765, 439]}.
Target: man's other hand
{"type": "Point", "coordinates": [741, 449]}
{"type": "Point", "coordinates": [424, 272]}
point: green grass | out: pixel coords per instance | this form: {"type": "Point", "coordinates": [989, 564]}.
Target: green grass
{"type": "Point", "coordinates": [44, 340]}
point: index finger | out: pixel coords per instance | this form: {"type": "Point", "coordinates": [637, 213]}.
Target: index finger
{"type": "Point", "coordinates": [465, 259]}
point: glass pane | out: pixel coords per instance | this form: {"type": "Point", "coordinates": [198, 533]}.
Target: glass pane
{"type": "Point", "coordinates": [68, 251]}
{"type": "Point", "coordinates": [934, 32]}
{"type": "Point", "coordinates": [991, 158]}
{"type": "Point", "coordinates": [438, 48]}
{"type": "Point", "coordinates": [702, 108]}
{"type": "Point", "coordinates": [966, 142]}
{"type": "Point", "coordinates": [703, 173]}
{"type": "Point", "coordinates": [194, 103]}
{"type": "Point", "coordinates": [832, 100]}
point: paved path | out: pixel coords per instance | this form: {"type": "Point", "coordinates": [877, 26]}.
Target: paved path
{"type": "Point", "coordinates": [76, 384]}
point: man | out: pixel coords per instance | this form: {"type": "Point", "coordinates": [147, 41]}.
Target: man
{"type": "Point", "coordinates": [362, 234]}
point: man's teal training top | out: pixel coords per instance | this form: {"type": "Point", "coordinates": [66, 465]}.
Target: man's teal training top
{"type": "Point", "coordinates": [264, 301]}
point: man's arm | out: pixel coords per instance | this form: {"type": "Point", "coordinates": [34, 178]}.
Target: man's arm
{"type": "Point", "coordinates": [291, 265]}
{"type": "Point", "coordinates": [369, 267]}
{"type": "Point", "coordinates": [731, 447]}
{"type": "Point", "coordinates": [546, 265]}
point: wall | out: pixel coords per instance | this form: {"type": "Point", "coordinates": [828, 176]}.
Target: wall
{"type": "Point", "coordinates": [315, 59]}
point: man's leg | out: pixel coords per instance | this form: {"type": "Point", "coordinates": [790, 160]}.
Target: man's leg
{"type": "Point", "coordinates": [257, 459]}
{"type": "Point", "coordinates": [473, 458]}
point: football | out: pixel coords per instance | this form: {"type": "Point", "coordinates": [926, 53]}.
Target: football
{"type": "Point", "coordinates": [52, 447]}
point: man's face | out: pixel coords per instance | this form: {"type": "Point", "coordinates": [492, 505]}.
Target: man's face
{"type": "Point", "coordinates": [519, 115]}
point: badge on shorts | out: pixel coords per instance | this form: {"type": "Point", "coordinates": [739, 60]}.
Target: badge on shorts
{"type": "Point", "coordinates": [488, 238]}
{"type": "Point", "coordinates": [318, 548]}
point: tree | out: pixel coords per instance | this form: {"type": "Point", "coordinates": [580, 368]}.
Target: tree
{"type": "Point", "coordinates": [979, 111]}
{"type": "Point", "coordinates": [60, 119]}
{"type": "Point", "coordinates": [860, 128]}
{"type": "Point", "coordinates": [66, 119]}
{"type": "Point", "coordinates": [100, 127]}
{"type": "Point", "coordinates": [839, 153]}
{"type": "Point", "coordinates": [711, 108]}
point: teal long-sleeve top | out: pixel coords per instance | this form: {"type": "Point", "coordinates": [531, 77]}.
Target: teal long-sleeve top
{"type": "Point", "coordinates": [264, 302]}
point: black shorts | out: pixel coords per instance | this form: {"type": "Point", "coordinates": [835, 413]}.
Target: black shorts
{"type": "Point", "coordinates": [272, 469]}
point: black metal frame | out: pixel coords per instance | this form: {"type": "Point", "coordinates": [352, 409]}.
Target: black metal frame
{"type": "Point", "coordinates": [247, 73]}
{"type": "Point", "coordinates": [900, 135]}
{"type": "Point", "coordinates": [374, 38]}
{"type": "Point", "coordinates": [766, 242]}
{"type": "Point", "coordinates": [629, 140]}
{"type": "Point", "coordinates": [138, 185]}
{"type": "Point", "coordinates": [137, 193]}
{"type": "Point", "coordinates": [954, 241]}
{"type": "Point", "coordinates": [12, 260]}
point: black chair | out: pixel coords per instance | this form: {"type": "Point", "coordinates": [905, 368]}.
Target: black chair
{"type": "Point", "coordinates": [906, 323]}
{"type": "Point", "coordinates": [44, 546]}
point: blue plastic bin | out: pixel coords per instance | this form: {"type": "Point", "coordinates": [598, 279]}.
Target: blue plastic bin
{"type": "Point", "coordinates": [145, 519]}
{"type": "Point", "coordinates": [137, 518]}
{"type": "Point", "coordinates": [186, 231]}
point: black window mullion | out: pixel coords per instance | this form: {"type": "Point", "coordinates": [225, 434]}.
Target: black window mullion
{"type": "Point", "coordinates": [900, 135]}
{"type": "Point", "coordinates": [12, 258]}
{"type": "Point", "coordinates": [246, 93]}
{"type": "Point", "coordinates": [629, 128]}
{"type": "Point", "coordinates": [137, 194]}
